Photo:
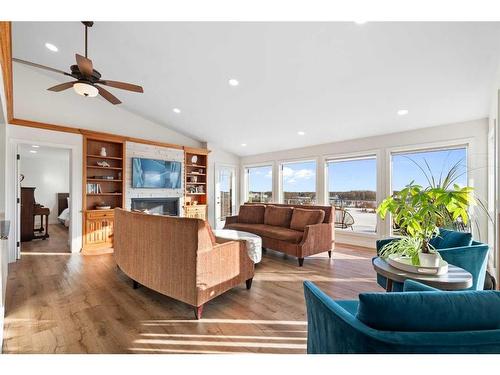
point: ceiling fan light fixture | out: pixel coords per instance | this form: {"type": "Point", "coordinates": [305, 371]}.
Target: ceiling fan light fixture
{"type": "Point", "coordinates": [85, 89]}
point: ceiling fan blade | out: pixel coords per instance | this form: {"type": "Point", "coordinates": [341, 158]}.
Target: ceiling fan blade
{"type": "Point", "coordinates": [107, 95]}
{"type": "Point", "coordinates": [122, 85]}
{"type": "Point", "coordinates": [61, 87]}
{"type": "Point", "coordinates": [40, 66]}
{"type": "Point", "coordinates": [84, 65]}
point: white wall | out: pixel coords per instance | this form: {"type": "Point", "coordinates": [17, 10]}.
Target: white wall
{"type": "Point", "coordinates": [216, 157]}
{"type": "Point", "coordinates": [34, 102]}
{"type": "Point", "coordinates": [49, 174]}
{"type": "Point", "coordinates": [474, 133]}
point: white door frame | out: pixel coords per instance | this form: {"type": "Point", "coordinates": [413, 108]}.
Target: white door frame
{"type": "Point", "coordinates": [218, 167]}
{"type": "Point", "coordinates": [75, 191]}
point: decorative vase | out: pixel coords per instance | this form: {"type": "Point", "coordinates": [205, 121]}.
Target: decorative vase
{"type": "Point", "coordinates": [194, 159]}
{"type": "Point", "coordinates": [103, 151]}
{"type": "Point", "coordinates": [429, 259]}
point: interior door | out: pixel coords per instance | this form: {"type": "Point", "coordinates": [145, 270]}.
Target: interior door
{"type": "Point", "coordinates": [225, 193]}
{"type": "Point", "coordinates": [19, 179]}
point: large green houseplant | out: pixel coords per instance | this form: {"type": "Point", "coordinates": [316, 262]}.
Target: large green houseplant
{"type": "Point", "coordinates": [417, 212]}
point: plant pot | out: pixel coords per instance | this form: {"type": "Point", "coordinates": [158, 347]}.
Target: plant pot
{"type": "Point", "coordinates": [429, 259]}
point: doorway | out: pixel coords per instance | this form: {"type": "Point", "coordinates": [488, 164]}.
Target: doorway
{"type": "Point", "coordinates": [225, 193]}
{"type": "Point", "coordinates": [44, 205]}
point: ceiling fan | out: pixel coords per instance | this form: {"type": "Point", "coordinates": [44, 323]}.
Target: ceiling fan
{"type": "Point", "coordinates": [86, 77]}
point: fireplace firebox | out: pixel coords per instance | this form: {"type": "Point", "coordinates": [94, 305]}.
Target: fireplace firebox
{"type": "Point", "coordinates": [158, 206]}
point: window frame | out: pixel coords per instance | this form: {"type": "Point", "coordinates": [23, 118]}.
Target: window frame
{"type": "Point", "coordinates": [373, 153]}
{"type": "Point", "coordinates": [246, 181]}
{"type": "Point", "coordinates": [295, 161]}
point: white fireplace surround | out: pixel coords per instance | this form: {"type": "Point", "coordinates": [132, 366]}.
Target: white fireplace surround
{"type": "Point", "coordinates": [138, 150]}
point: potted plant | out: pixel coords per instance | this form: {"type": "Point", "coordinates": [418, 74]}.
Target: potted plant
{"type": "Point", "coordinates": [416, 211]}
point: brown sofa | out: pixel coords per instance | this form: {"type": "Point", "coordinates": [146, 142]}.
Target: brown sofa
{"type": "Point", "coordinates": [179, 257]}
{"type": "Point", "coordinates": [292, 229]}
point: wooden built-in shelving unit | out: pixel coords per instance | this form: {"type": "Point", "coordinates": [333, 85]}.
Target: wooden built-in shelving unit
{"type": "Point", "coordinates": [98, 223]}
{"type": "Point", "coordinates": [195, 182]}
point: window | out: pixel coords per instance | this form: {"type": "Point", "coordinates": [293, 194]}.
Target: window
{"type": "Point", "coordinates": [352, 189]}
{"type": "Point", "coordinates": [260, 184]}
{"type": "Point", "coordinates": [298, 181]}
{"type": "Point", "coordinates": [429, 167]}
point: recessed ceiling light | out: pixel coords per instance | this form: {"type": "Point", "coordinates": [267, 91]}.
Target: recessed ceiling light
{"type": "Point", "coordinates": [360, 22]}
{"type": "Point", "coordinates": [301, 133]}
{"type": "Point", "coordinates": [51, 47]}
{"type": "Point", "coordinates": [176, 110]}
{"type": "Point", "coordinates": [402, 112]}
{"type": "Point", "coordinates": [33, 151]}
{"type": "Point", "coordinates": [35, 146]}
{"type": "Point", "coordinates": [233, 82]}
{"type": "Point", "coordinates": [243, 145]}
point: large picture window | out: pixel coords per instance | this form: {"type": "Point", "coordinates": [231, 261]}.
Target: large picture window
{"type": "Point", "coordinates": [429, 167]}
{"type": "Point", "coordinates": [352, 189]}
{"type": "Point", "coordinates": [259, 184]}
{"type": "Point", "coordinates": [298, 181]}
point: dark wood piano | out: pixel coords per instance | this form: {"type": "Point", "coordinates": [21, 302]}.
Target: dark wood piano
{"type": "Point", "coordinates": [29, 210]}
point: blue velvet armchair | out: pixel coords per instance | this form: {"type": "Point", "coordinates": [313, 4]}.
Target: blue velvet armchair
{"type": "Point", "coordinates": [420, 320]}
{"type": "Point", "coordinates": [457, 248]}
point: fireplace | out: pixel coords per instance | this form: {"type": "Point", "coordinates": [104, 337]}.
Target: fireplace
{"type": "Point", "coordinates": [157, 206]}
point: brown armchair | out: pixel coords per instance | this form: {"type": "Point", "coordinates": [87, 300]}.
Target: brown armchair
{"type": "Point", "coordinates": [179, 257]}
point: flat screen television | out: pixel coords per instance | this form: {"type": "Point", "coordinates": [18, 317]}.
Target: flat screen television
{"type": "Point", "coordinates": [156, 174]}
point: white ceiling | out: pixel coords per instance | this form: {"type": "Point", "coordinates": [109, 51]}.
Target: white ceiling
{"type": "Point", "coordinates": [334, 81]}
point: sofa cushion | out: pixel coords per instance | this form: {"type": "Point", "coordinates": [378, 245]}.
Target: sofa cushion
{"type": "Point", "coordinates": [447, 239]}
{"type": "Point", "coordinates": [301, 218]}
{"type": "Point", "coordinates": [278, 216]}
{"type": "Point", "coordinates": [251, 214]}
{"type": "Point", "coordinates": [277, 233]}
{"type": "Point", "coordinates": [430, 311]}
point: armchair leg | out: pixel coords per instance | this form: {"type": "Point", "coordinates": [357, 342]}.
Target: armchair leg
{"type": "Point", "coordinates": [249, 283]}
{"type": "Point", "coordinates": [198, 311]}
{"type": "Point", "coordinates": [301, 262]}
{"type": "Point", "coordinates": [330, 254]}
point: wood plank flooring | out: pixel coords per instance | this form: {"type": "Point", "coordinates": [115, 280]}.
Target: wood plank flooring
{"type": "Point", "coordinates": [69, 303]}
{"type": "Point", "coordinates": [56, 243]}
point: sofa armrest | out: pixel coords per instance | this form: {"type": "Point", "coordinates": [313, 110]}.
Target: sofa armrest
{"type": "Point", "coordinates": [231, 220]}
{"type": "Point", "coordinates": [223, 262]}
{"type": "Point", "coordinates": [318, 238]}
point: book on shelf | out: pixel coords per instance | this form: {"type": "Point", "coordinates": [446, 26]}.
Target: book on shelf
{"type": "Point", "coordinates": [94, 189]}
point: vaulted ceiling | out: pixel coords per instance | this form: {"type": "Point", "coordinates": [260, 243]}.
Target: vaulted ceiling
{"type": "Point", "coordinates": [332, 81]}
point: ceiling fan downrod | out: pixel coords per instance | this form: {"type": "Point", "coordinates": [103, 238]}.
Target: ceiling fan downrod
{"type": "Point", "coordinates": [87, 25]}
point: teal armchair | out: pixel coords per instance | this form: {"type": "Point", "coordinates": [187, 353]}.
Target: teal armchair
{"type": "Point", "coordinates": [420, 320]}
{"type": "Point", "coordinates": [457, 248]}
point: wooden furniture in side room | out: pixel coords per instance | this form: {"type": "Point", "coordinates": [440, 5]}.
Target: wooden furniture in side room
{"type": "Point", "coordinates": [195, 182]}
{"type": "Point", "coordinates": [27, 213]}
{"type": "Point", "coordinates": [62, 202]}
{"type": "Point", "coordinates": [103, 186]}
{"type": "Point", "coordinates": [44, 213]}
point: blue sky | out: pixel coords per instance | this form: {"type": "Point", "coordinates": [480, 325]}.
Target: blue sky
{"type": "Point", "coordinates": [360, 174]}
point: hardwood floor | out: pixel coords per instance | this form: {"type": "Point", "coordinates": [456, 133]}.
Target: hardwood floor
{"type": "Point", "coordinates": [68, 303]}
{"type": "Point", "coordinates": [56, 243]}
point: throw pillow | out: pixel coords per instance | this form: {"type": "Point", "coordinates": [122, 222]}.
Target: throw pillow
{"type": "Point", "coordinates": [251, 214]}
{"type": "Point", "coordinates": [301, 218]}
{"type": "Point", "coordinates": [278, 216]}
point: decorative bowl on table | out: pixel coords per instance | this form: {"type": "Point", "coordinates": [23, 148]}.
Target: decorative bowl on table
{"type": "Point", "coordinates": [404, 263]}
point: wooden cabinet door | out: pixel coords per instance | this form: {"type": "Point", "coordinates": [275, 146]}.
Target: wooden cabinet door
{"type": "Point", "coordinates": [98, 231]}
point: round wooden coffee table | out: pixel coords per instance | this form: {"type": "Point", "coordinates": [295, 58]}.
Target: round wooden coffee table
{"type": "Point", "coordinates": [456, 279]}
